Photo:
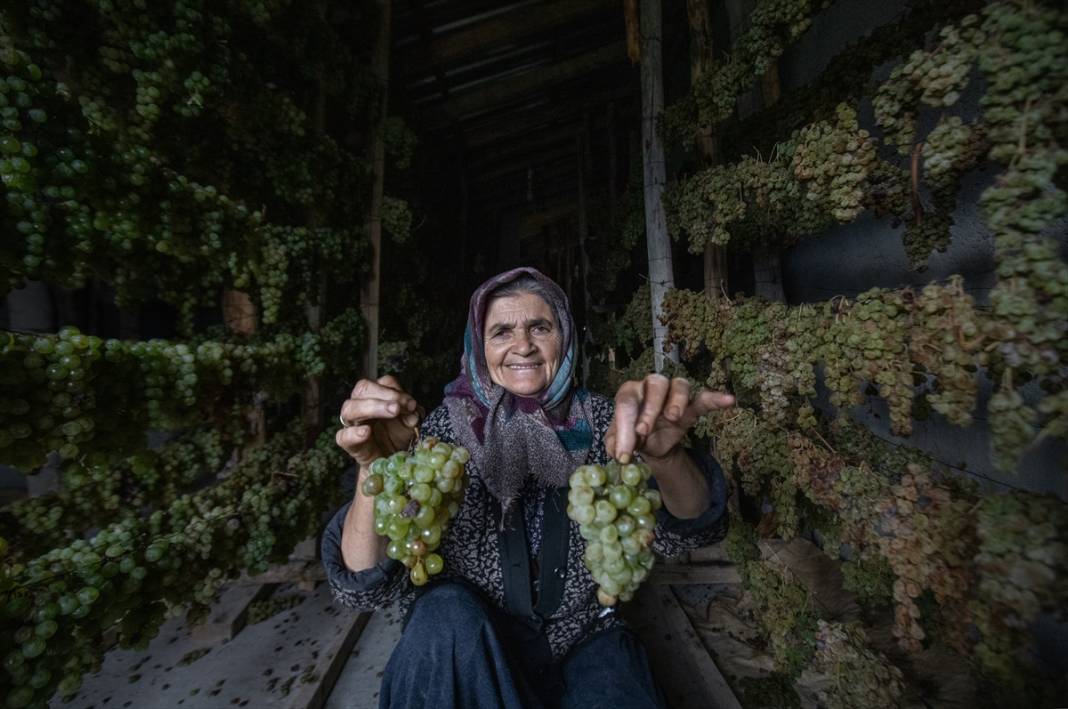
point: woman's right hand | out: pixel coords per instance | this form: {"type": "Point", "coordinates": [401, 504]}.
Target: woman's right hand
{"type": "Point", "coordinates": [382, 420]}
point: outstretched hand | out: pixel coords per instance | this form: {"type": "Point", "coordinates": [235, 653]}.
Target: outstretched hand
{"type": "Point", "coordinates": [381, 418]}
{"type": "Point", "coordinates": [653, 415]}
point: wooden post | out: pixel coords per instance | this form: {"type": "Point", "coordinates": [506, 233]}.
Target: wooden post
{"type": "Point", "coordinates": [701, 58]}
{"type": "Point", "coordinates": [767, 262]}
{"type": "Point", "coordinates": [767, 265]}
{"type": "Point", "coordinates": [242, 319]}
{"type": "Point", "coordinates": [369, 291]}
{"type": "Point", "coordinates": [631, 22]}
{"type": "Point", "coordinates": [464, 205]}
{"type": "Point", "coordinates": [311, 414]}
{"type": "Point", "coordinates": [31, 309]}
{"type": "Point", "coordinates": [661, 275]}
{"type": "Point", "coordinates": [613, 162]}
{"type": "Point", "coordinates": [585, 340]}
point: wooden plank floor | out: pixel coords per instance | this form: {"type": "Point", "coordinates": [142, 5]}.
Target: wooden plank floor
{"type": "Point", "coordinates": [357, 685]}
{"type": "Point", "coordinates": [319, 654]}
{"type": "Point", "coordinates": [281, 662]}
{"type": "Point", "coordinates": [685, 671]}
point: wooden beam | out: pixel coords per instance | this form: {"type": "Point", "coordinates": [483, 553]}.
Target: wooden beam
{"type": "Point", "coordinates": [440, 14]}
{"type": "Point", "coordinates": [500, 92]}
{"type": "Point", "coordinates": [370, 287]}
{"type": "Point", "coordinates": [681, 663]}
{"type": "Point", "coordinates": [658, 243]}
{"type": "Point", "coordinates": [560, 188]}
{"type": "Point", "coordinates": [505, 29]}
{"type": "Point", "coordinates": [535, 159]}
{"type": "Point", "coordinates": [530, 143]}
{"type": "Point", "coordinates": [547, 113]}
{"type": "Point", "coordinates": [683, 574]}
{"type": "Point", "coordinates": [678, 625]}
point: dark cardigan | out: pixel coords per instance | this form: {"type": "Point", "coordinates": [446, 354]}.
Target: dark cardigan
{"type": "Point", "coordinates": [561, 602]}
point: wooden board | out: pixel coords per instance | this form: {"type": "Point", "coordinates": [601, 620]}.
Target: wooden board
{"type": "Point", "coordinates": [676, 574]}
{"type": "Point", "coordinates": [229, 615]}
{"type": "Point", "coordinates": [357, 686]}
{"type": "Point", "coordinates": [289, 660]}
{"type": "Point", "coordinates": [682, 666]}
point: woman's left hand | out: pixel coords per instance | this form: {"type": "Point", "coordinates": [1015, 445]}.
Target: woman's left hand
{"type": "Point", "coordinates": [653, 415]}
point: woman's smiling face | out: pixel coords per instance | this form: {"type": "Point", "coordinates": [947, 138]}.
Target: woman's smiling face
{"type": "Point", "coordinates": [523, 343]}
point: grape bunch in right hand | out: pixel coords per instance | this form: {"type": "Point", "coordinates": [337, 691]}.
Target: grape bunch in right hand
{"type": "Point", "coordinates": [380, 419]}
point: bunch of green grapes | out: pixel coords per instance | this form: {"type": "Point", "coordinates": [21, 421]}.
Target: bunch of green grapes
{"type": "Point", "coordinates": [1022, 562]}
{"type": "Point", "coordinates": [936, 77]}
{"type": "Point", "coordinates": [416, 495]}
{"type": "Point", "coordinates": [947, 342]}
{"type": "Point", "coordinates": [842, 651]}
{"type": "Point", "coordinates": [1012, 424]}
{"type": "Point", "coordinates": [694, 321]}
{"type": "Point", "coordinates": [833, 161]}
{"type": "Point", "coordinates": [616, 512]}
{"type": "Point", "coordinates": [58, 607]}
{"type": "Point", "coordinates": [773, 26]}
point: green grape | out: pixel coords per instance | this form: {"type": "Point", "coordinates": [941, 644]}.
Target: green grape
{"type": "Point", "coordinates": [434, 564]}
{"type": "Point", "coordinates": [416, 494]}
{"type": "Point", "coordinates": [612, 515]}
{"type": "Point", "coordinates": [373, 484]}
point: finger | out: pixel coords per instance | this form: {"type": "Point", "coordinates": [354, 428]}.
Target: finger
{"type": "Point", "coordinates": [360, 410]}
{"type": "Point", "coordinates": [412, 420]}
{"type": "Point", "coordinates": [405, 400]}
{"type": "Point", "coordinates": [704, 402]}
{"type": "Point", "coordinates": [383, 389]}
{"type": "Point", "coordinates": [628, 400]}
{"type": "Point", "coordinates": [352, 438]}
{"type": "Point", "coordinates": [610, 439]}
{"type": "Point", "coordinates": [654, 393]}
{"type": "Point", "coordinates": [397, 434]}
{"type": "Point", "coordinates": [678, 399]}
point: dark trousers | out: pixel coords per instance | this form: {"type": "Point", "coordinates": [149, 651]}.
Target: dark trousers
{"type": "Point", "coordinates": [457, 651]}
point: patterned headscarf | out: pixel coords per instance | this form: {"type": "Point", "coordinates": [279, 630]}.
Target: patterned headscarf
{"type": "Point", "coordinates": [545, 436]}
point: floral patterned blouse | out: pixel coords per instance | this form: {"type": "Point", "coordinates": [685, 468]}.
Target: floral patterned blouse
{"type": "Point", "coordinates": [538, 577]}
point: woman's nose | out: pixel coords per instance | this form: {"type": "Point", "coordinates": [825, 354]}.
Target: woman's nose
{"type": "Point", "coordinates": [525, 343]}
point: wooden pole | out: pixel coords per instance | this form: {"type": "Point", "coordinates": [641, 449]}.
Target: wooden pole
{"type": "Point", "coordinates": [661, 274]}
{"type": "Point", "coordinates": [584, 262]}
{"type": "Point", "coordinates": [613, 161]}
{"type": "Point", "coordinates": [767, 266]}
{"type": "Point", "coordinates": [701, 58]}
{"type": "Point", "coordinates": [631, 23]}
{"type": "Point", "coordinates": [767, 262]}
{"type": "Point", "coordinates": [369, 292]}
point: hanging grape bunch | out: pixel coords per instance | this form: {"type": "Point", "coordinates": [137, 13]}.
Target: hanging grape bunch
{"type": "Point", "coordinates": [416, 494]}
{"type": "Point", "coordinates": [615, 510]}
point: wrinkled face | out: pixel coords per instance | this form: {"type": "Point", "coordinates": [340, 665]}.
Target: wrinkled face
{"type": "Point", "coordinates": [523, 343]}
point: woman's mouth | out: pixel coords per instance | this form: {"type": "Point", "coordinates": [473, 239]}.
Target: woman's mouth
{"type": "Point", "coordinates": [522, 367]}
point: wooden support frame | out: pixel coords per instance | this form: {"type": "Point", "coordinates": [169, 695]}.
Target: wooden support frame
{"type": "Point", "coordinates": [543, 113]}
{"type": "Point", "coordinates": [506, 28]}
{"type": "Point", "coordinates": [369, 290]}
{"type": "Point", "coordinates": [499, 92]}
{"type": "Point", "coordinates": [661, 272]}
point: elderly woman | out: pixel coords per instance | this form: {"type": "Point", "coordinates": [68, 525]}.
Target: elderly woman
{"type": "Point", "coordinates": [514, 621]}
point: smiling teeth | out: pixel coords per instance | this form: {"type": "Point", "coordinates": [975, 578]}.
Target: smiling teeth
{"type": "Point", "coordinates": [523, 366]}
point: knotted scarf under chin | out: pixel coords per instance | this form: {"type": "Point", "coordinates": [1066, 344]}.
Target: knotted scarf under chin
{"type": "Point", "coordinates": [514, 438]}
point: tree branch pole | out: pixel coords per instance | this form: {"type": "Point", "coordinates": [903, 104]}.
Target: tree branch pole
{"type": "Point", "coordinates": [701, 59]}
{"type": "Point", "coordinates": [369, 292]}
{"type": "Point", "coordinates": [583, 158]}
{"type": "Point", "coordinates": [661, 275]}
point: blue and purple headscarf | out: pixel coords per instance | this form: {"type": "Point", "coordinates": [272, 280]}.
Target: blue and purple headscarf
{"type": "Point", "coordinates": [512, 437]}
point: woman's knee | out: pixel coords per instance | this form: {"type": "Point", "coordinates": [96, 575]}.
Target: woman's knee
{"type": "Point", "coordinates": [449, 605]}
